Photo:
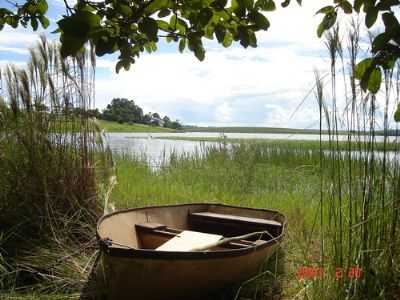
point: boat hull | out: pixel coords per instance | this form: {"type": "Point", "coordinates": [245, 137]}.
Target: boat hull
{"type": "Point", "coordinates": [157, 275]}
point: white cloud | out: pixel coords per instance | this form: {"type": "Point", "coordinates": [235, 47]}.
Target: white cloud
{"type": "Point", "coordinates": [223, 113]}
{"type": "Point", "coordinates": [4, 63]}
{"type": "Point", "coordinates": [234, 86]}
{"type": "Point", "coordinates": [14, 50]}
{"type": "Point", "coordinates": [17, 41]}
{"type": "Point", "coordinates": [18, 37]}
{"type": "Point", "coordinates": [220, 83]}
{"type": "Point", "coordinates": [273, 77]}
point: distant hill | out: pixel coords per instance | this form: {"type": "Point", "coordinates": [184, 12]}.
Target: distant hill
{"type": "Point", "coordinates": [111, 126]}
{"type": "Point", "coordinates": [238, 129]}
{"type": "Point", "coordinates": [250, 130]}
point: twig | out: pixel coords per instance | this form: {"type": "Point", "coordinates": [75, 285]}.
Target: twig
{"type": "Point", "coordinates": [249, 281]}
{"type": "Point", "coordinates": [13, 3]}
{"type": "Point", "coordinates": [69, 8]}
{"type": "Point", "coordinates": [301, 292]}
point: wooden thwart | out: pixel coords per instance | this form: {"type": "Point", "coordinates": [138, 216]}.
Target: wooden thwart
{"type": "Point", "coordinates": [236, 219]}
{"type": "Point", "coordinates": [163, 238]}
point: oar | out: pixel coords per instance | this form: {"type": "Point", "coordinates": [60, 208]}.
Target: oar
{"type": "Point", "coordinates": [232, 239]}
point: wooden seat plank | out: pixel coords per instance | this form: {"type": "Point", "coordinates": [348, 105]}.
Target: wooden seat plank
{"type": "Point", "coordinates": [233, 218]}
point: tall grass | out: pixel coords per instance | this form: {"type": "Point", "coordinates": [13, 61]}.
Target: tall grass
{"type": "Point", "coordinates": [53, 166]}
{"type": "Point", "coordinates": [341, 198]}
{"type": "Point", "coordinates": [359, 209]}
{"type": "Point", "coordinates": [277, 176]}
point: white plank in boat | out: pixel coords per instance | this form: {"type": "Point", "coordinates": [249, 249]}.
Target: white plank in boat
{"type": "Point", "coordinates": [189, 240]}
{"type": "Point", "coordinates": [237, 218]}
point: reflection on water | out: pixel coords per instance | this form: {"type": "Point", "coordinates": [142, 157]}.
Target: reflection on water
{"type": "Point", "coordinates": [154, 150]}
{"type": "Point", "coordinates": [273, 136]}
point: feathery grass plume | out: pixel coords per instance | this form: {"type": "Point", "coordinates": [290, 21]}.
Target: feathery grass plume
{"type": "Point", "coordinates": [53, 164]}
{"type": "Point", "coordinates": [359, 201]}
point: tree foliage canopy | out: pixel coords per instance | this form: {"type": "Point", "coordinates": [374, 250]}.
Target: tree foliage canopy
{"type": "Point", "coordinates": [131, 27]}
{"type": "Point", "coordinates": [134, 26]}
{"type": "Point", "coordinates": [122, 110]}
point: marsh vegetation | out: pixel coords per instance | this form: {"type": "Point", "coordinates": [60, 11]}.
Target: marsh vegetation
{"type": "Point", "coordinates": [340, 197]}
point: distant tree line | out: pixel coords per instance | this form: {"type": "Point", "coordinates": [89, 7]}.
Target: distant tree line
{"type": "Point", "coordinates": [122, 110]}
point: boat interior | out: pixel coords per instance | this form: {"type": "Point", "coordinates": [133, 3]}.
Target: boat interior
{"type": "Point", "coordinates": [182, 228]}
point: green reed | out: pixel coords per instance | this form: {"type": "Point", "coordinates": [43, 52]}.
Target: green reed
{"type": "Point", "coordinates": [53, 166]}
{"type": "Point", "coordinates": [359, 206]}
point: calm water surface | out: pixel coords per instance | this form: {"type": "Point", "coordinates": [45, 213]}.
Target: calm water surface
{"type": "Point", "coordinates": [149, 146]}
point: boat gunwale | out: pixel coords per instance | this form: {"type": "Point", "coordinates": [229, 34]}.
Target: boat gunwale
{"type": "Point", "coordinates": [154, 254]}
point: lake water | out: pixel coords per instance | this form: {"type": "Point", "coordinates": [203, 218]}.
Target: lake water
{"type": "Point", "coordinates": [155, 149]}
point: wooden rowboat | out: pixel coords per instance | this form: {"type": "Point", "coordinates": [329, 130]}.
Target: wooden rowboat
{"type": "Point", "coordinates": [141, 260]}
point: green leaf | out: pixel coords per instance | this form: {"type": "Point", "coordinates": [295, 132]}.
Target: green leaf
{"type": "Point", "coordinates": [238, 8]}
{"type": "Point", "coordinates": [358, 4]}
{"type": "Point", "coordinates": [261, 21]}
{"type": "Point", "coordinates": [362, 67]}
{"type": "Point", "coordinates": [220, 32]}
{"type": "Point", "coordinates": [248, 4]}
{"type": "Point", "coordinates": [163, 25]}
{"type": "Point", "coordinates": [12, 21]}
{"type": "Point", "coordinates": [326, 10]}
{"type": "Point", "coordinates": [387, 4]}
{"type": "Point", "coordinates": [320, 29]}
{"type": "Point", "coordinates": [34, 24]}
{"type": "Point", "coordinates": [380, 42]}
{"type": "Point", "coordinates": [374, 81]}
{"type": "Point", "coordinates": [285, 3]}
{"type": "Point", "coordinates": [154, 6]}
{"type": "Point", "coordinates": [178, 23]}
{"type": "Point", "coordinates": [105, 45]}
{"type": "Point", "coordinates": [372, 15]}
{"type": "Point", "coordinates": [205, 16]}
{"type": "Point", "coordinates": [124, 10]}
{"type": "Point", "coordinates": [391, 22]}
{"type": "Point", "coordinates": [346, 6]}
{"type": "Point", "coordinates": [252, 39]}
{"type": "Point", "coordinates": [41, 7]}
{"type": "Point", "coordinates": [200, 53]}
{"type": "Point", "coordinates": [119, 66]}
{"type": "Point", "coordinates": [244, 36]}
{"type": "Point", "coordinates": [209, 31]}
{"type": "Point", "coordinates": [150, 47]}
{"type": "Point", "coordinates": [397, 113]}
{"type": "Point", "coordinates": [80, 24]}
{"type": "Point", "coordinates": [327, 22]}
{"type": "Point", "coordinates": [182, 45]}
{"type": "Point", "coordinates": [71, 45]}
{"type": "Point", "coordinates": [228, 39]}
{"type": "Point", "coordinates": [266, 5]}
{"type": "Point", "coordinates": [219, 4]}
{"type": "Point", "coordinates": [149, 27]}
{"type": "Point", "coordinates": [44, 21]}
{"type": "Point", "coordinates": [164, 13]}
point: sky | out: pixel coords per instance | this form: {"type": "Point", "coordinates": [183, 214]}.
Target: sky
{"type": "Point", "coordinates": [263, 86]}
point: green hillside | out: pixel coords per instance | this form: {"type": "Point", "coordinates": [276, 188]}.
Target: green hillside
{"type": "Point", "coordinates": [110, 126]}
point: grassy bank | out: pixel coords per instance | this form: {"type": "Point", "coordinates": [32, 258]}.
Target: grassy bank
{"type": "Point", "coordinates": [124, 127]}
{"type": "Point", "coordinates": [251, 175]}
{"type": "Point", "coordinates": [286, 178]}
